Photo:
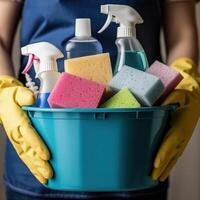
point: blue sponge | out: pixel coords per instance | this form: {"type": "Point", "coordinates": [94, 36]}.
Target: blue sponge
{"type": "Point", "coordinates": [147, 88]}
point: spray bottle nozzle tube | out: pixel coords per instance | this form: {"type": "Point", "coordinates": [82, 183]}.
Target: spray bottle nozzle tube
{"type": "Point", "coordinates": [30, 62]}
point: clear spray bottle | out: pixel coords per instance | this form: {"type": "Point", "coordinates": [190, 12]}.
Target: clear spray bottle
{"type": "Point", "coordinates": [130, 51]}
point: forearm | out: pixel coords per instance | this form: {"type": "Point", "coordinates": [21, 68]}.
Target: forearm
{"type": "Point", "coordinates": [9, 17]}
{"type": "Point", "coordinates": [181, 31]}
{"type": "Point", "coordinates": [6, 65]}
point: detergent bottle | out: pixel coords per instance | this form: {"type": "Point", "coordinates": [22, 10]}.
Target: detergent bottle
{"type": "Point", "coordinates": [130, 51]}
{"type": "Point", "coordinates": [83, 44]}
{"type": "Point", "coordinates": [43, 56]}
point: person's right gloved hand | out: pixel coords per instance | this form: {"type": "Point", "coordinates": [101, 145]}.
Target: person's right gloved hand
{"type": "Point", "coordinates": [21, 134]}
{"type": "Point", "coordinates": [184, 120]}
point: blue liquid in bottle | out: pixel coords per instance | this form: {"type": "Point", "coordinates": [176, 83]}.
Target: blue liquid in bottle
{"type": "Point", "coordinates": [137, 59]}
{"type": "Point", "coordinates": [130, 53]}
{"type": "Point", "coordinates": [42, 100]}
{"type": "Point", "coordinates": [85, 46]}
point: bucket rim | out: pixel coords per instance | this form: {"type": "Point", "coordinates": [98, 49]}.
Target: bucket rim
{"type": "Point", "coordinates": [172, 107]}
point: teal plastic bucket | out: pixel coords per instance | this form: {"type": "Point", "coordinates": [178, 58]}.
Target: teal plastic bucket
{"type": "Point", "coordinates": [98, 150]}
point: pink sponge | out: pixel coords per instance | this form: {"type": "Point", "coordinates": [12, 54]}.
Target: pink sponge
{"type": "Point", "coordinates": [169, 77]}
{"type": "Point", "coordinates": [74, 92]}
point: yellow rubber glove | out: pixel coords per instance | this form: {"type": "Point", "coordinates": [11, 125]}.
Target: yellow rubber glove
{"type": "Point", "coordinates": [21, 134]}
{"type": "Point", "coordinates": [183, 122]}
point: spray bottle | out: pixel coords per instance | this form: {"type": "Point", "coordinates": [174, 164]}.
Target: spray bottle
{"type": "Point", "coordinates": [43, 56]}
{"type": "Point", "coordinates": [130, 51]}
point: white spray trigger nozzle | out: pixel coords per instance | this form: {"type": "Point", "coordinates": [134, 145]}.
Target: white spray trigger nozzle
{"type": "Point", "coordinates": [105, 26]}
{"type": "Point", "coordinates": [43, 55]}
{"type": "Point", "coordinates": [124, 15]}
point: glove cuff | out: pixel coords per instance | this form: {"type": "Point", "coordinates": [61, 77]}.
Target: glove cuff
{"type": "Point", "coordinates": [186, 65]}
{"type": "Point", "coordinates": [9, 81]}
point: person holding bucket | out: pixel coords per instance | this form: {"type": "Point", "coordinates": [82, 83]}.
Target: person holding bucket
{"type": "Point", "coordinates": [27, 157]}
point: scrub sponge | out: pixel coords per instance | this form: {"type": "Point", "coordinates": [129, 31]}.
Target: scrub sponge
{"type": "Point", "coordinates": [74, 92]}
{"type": "Point", "coordinates": [169, 77]}
{"type": "Point", "coordinates": [96, 68]}
{"type": "Point", "coordinates": [146, 87]}
{"type": "Point", "coordinates": [123, 99]}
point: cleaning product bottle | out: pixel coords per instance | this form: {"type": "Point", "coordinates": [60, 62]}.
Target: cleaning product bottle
{"type": "Point", "coordinates": [130, 51]}
{"type": "Point", "coordinates": [83, 44]}
{"type": "Point", "coordinates": [43, 56]}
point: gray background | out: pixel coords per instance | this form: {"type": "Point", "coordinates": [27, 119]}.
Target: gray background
{"type": "Point", "coordinates": [185, 178]}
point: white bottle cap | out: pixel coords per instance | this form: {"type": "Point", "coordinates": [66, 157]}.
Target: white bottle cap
{"type": "Point", "coordinates": [83, 27]}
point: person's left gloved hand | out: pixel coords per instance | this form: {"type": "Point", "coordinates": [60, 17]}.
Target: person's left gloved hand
{"type": "Point", "coordinates": [184, 120]}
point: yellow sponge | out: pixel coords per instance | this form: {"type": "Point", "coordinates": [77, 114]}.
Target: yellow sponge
{"type": "Point", "coordinates": [123, 99]}
{"type": "Point", "coordinates": [96, 67]}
